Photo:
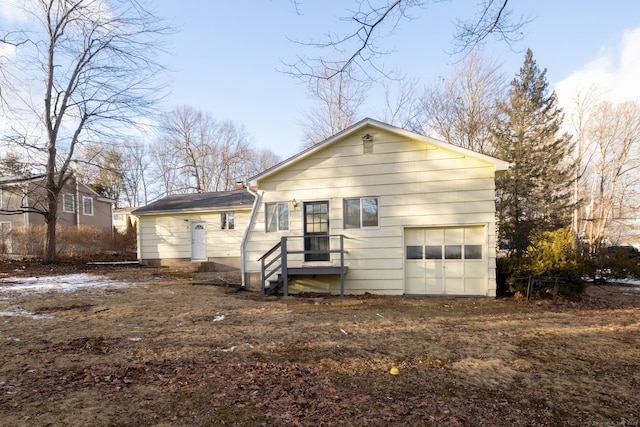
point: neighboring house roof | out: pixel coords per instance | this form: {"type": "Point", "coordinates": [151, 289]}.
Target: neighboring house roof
{"type": "Point", "coordinates": [199, 202]}
{"type": "Point", "coordinates": [500, 165]}
{"type": "Point", "coordinates": [19, 179]}
{"type": "Point", "coordinates": [10, 180]}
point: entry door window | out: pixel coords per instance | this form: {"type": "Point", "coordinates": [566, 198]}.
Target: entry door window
{"type": "Point", "coordinates": [316, 231]}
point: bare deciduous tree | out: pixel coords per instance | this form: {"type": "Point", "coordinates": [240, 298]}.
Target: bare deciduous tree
{"type": "Point", "coordinates": [583, 103]}
{"type": "Point", "coordinates": [337, 102]}
{"type": "Point", "coordinates": [373, 21]}
{"type": "Point", "coordinates": [189, 137]}
{"type": "Point", "coordinates": [400, 95]}
{"type": "Point", "coordinates": [462, 108]}
{"type": "Point", "coordinates": [137, 165]}
{"type": "Point", "coordinates": [167, 168]}
{"type": "Point", "coordinates": [117, 171]}
{"type": "Point", "coordinates": [83, 70]}
{"type": "Point", "coordinates": [613, 131]}
{"type": "Point", "coordinates": [196, 153]}
{"type": "Point", "coordinates": [101, 168]}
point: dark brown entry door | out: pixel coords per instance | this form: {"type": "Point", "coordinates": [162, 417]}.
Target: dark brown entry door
{"type": "Point", "coordinates": [316, 231]}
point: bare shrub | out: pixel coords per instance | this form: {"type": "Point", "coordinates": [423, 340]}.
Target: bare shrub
{"type": "Point", "coordinates": [28, 242]}
{"type": "Point", "coordinates": [84, 243]}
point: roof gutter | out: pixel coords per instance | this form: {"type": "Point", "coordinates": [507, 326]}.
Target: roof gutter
{"type": "Point", "coordinates": [257, 197]}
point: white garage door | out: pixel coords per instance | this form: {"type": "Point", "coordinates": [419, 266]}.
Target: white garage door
{"type": "Point", "coordinates": [445, 261]}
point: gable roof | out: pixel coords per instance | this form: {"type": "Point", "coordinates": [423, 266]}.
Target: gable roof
{"type": "Point", "coordinates": [499, 165]}
{"type": "Point", "coordinates": [199, 202]}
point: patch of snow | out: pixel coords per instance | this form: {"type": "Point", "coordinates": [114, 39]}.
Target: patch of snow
{"type": "Point", "coordinates": [18, 312]}
{"type": "Point", "coordinates": [67, 283]}
{"type": "Point", "coordinates": [219, 318]}
{"type": "Point", "coordinates": [630, 282]}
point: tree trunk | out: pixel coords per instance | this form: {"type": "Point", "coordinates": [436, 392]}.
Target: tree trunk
{"type": "Point", "coordinates": [50, 220]}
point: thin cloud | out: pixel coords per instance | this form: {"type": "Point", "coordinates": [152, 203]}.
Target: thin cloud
{"type": "Point", "coordinates": [12, 11]}
{"type": "Point", "coordinates": [613, 74]}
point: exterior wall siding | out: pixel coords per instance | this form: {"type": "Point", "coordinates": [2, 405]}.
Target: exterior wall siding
{"type": "Point", "coordinates": [102, 216]}
{"type": "Point", "coordinates": [418, 185]}
{"type": "Point", "coordinates": [168, 236]}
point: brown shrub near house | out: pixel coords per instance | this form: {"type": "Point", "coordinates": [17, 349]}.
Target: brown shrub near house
{"type": "Point", "coordinates": [83, 243]}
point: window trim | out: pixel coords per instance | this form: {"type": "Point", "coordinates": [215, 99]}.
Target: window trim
{"type": "Point", "coordinates": [360, 210]}
{"type": "Point", "coordinates": [277, 221]}
{"type": "Point", "coordinates": [84, 207]}
{"type": "Point", "coordinates": [72, 197]}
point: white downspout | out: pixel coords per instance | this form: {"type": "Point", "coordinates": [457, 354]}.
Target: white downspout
{"type": "Point", "coordinates": [254, 211]}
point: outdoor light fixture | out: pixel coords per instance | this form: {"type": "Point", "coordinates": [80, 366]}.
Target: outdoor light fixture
{"type": "Point", "coordinates": [294, 202]}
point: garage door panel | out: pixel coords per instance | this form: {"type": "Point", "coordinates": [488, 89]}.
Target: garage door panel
{"type": "Point", "coordinates": [434, 286]}
{"type": "Point", "coordinates": [454, 236]}
{"type": "Point", "coordinates": [454, 286]}
{"type": "Point", "coordinates": [474, 234]}
{"type": "Point", "coordinates": [414, 237]}
{"type": "Point", "coordinates": [415, 269]}
{"type": "Point", "coordinates": [432, 266]}
{"type": "Point", "coordinates": [433, 236]}
{"type": "Point", "coordinates": [474, 287]}
{"type": "Point", "coordinates": [474, 269]}
{"type": "Point", "coordinates": [416, 278]}
{"type": "Point", "coordinates": [454, 269]}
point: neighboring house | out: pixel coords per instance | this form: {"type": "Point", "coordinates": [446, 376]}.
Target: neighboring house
{"type": "Point", "coordinates": [414, 216]}
{"type": "Point", "coordinates": [122, 218]}
{"type": "Point", "coordinates": [78, 206]}
{"type": "Point", "coordinates": [202, 227]}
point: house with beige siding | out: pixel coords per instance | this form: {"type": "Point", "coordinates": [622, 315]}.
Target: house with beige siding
{"type": "Point", "coordinates": [192, 230]}
{"type": "Point", "coordinates": [375, 209]}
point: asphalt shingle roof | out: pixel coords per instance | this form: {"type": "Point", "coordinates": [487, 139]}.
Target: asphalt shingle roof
{"type": "Point", "coordinates": [198, 202]}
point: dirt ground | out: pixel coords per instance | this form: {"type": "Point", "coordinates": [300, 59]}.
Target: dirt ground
{"type": "Point", "coordinates": [164, 348]}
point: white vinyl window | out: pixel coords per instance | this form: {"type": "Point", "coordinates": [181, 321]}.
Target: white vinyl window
{"type": "Point", "coordinates": [227, 220]}
{"type": "Point", "coordinates": [68, 203]}
{"type": "Point", "coordinates": [277, 216]}
{"type": "Point", "coordinates": [87, 206]}
{"type": "Point", "coordinates": [361, 213]}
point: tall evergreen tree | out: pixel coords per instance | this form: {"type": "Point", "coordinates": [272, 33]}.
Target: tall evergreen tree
{"type": "Point", "coordinates": [534, 195]}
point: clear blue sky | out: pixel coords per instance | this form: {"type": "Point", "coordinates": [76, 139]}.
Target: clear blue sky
{"type": "Point", "coordinates": [227, 54]}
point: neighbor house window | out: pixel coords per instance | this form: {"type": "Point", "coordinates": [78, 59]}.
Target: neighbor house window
{"type": "Point", "coordinates": [68, 203]}
{"type": "Point", "coordinates": [277, 216]}
{"type": "Point", "coordinates": [227, 221]}
{"type": "Point", "coordinates": [87, 206]}
{"type": "Point", "coordinates": [361, 213]}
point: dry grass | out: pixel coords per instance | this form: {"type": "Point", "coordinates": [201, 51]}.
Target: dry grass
{"type": "Point", "coordinates": [158, 354]}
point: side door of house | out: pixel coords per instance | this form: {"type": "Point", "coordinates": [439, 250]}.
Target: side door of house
{"type": "Point", "coordinates": [316, 231]}
{"type": "Point", "coordinates": [198, 241]}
